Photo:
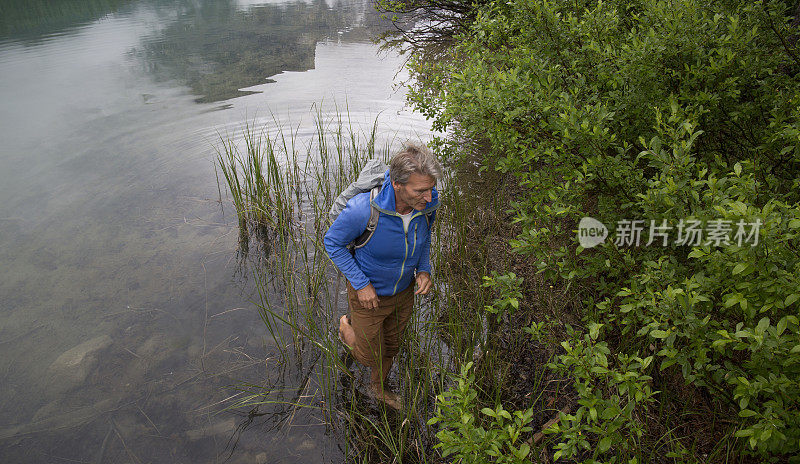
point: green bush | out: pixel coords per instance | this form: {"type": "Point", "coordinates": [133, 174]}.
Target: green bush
{"type": "Point", "coordinates": [507, 286]}
{"type": "Point", "coordinates": [609, 392]}
{"type": "Point", "coordinates": [666, 111]}
{"type": "Point", "coordinates": [478, 437]}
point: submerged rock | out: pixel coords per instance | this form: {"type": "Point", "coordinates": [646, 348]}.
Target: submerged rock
{"type": "Point", "coordinates": [74, 365]}
{"type": "Point", "coordinates": [307, 445]}
{"type": "Point", "coordinates": [52, 418]}
{"type": "Point", "coordinates": [153, 346]}
{"type": "Point", "coordinates": [220, 428]}
{"type": "Point", "coordinates": [48, 410]}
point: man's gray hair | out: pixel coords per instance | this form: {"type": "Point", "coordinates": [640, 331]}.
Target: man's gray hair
{"type": "Point", "coordinates": [414, 158]}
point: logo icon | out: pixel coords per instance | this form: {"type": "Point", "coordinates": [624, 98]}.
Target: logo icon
{"type": "Point", "coordinates": [591, 232]}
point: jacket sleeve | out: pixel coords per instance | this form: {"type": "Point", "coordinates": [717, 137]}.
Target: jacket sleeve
{"type": "Point", "coordinates": [350, 223]}
{"type": "Point", "coordinates": [425, 255]}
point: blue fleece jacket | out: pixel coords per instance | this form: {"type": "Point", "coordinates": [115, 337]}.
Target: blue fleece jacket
{"type": "Point", "coordinates": [392, 256]}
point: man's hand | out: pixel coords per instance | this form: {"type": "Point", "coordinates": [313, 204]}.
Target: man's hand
{"type": "Point", "coordinates": [424, 283]}
{"type": "Point", "coordinates": [367, 297]}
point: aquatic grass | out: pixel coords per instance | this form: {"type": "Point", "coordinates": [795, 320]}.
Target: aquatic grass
{"type": "Point", "coordinates": [229, 163]}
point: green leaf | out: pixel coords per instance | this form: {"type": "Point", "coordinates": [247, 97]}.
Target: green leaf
{"type": "Point", "coordinates": [747, 413]}
{"type": "Point", "coordinates": [791, 299]}
{"type": "Point", "coordinates": [762, 325]}
{"type": "Point", "coordinates": [732, 300]}
{"type": "Point", "coordinates": [661, 334]}
{"type": "Point", "coordinates": [489, 412]}
{"type": "Point", "coordinates": [524, 450]}
{"type": "Point", "coordinates": [720, 343]}
{"type": "Point", "coordinates": [609, 413]}
{"type": "Point", "coordinates": [604, 445]}
{"type": "Point", "coordinates": [739, 268]}
{"type": "Point", "coordinates": [594, 330]}
{"type": "Point", "coordinates": [781, 325]}
{"type": "Point", "coordinates": [666, 363]}
{"type": "Point", "coordinates": [696, 253]}
{"type": "Point", "coordinates": [737, 168]}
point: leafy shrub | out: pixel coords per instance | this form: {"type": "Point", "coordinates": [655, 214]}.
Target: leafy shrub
{"type": "Point", "coordinates": [478, 437]}
{"type": "Point", "coordinates": [609, 393]}
{"type": "Point", "coordinates": [664, 111]}
{"type": "Point", "coordinates": [507, 287]}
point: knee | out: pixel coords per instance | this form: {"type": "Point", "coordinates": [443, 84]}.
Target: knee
{"type": "Point", "coordinates": [391, 350]}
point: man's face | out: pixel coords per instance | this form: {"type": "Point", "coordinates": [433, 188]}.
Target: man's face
{"type": "Point", "coordinates": [415, 193]}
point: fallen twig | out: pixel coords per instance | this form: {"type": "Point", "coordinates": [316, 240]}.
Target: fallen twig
{"type": "Point", "coordinates": [537, 437]}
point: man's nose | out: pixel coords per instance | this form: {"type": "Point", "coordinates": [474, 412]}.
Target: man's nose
{"type": "Point", "coordinates": [428, 195]}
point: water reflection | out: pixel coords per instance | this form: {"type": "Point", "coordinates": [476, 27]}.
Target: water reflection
{"type": "Point", "coordinates": [217, 48]}
{"type": "Point", "coordinates": [32, 19]}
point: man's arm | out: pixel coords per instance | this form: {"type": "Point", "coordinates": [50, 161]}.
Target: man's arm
{"type": "Point", "coordinates": [424, 264]}
{"type": "Point", "coordinates": [423, 279]}
{"type": "Point", "coordinates": [350, 223]}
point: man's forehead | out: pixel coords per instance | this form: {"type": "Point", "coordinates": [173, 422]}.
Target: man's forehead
{"type": "Point", "coordinates": [421, 179]}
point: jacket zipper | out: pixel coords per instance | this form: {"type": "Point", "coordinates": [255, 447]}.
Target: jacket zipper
{"type": "Point", "coordinates": [405, 257]}
{"type": "Point", "coordinates": [414, 249]}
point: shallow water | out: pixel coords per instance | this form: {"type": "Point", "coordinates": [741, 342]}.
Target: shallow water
{"type": "Point", "coordinates": [123, 319]}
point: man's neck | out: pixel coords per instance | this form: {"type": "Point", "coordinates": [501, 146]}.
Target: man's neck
{"type": "Point", "coordinates": [401, 208]}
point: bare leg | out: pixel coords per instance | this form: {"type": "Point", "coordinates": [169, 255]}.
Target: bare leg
{"type": "Point", "coordinates": [378, 378]}
{"type": "Point", "coordinates": [346, 333]}
{"type": "Point", "coordinates": [378, 374]}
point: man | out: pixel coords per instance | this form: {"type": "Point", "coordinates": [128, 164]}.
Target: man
{"type": "Point", "coordinates": [382, 273]}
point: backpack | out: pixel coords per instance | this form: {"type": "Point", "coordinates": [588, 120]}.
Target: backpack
{"type": "Point", "coordinates": [370, 179]}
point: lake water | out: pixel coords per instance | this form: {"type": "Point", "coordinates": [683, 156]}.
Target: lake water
{"type": "Point", "coordinates": [124, 322]}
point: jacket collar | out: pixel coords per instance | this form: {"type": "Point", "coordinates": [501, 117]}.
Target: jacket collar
{"type": "Point", "coordinates": [384, 200]}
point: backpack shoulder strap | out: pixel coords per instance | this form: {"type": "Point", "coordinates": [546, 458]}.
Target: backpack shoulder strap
{"type": "Point", "coordinates": [429, 217]}
{"type": "Point", "coordinates": [372, 224]}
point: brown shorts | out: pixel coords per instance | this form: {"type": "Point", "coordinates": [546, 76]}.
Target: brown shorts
{"type": "Point", "coordinates": [378, 331]}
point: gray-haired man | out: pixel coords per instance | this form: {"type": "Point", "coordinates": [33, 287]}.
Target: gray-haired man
{"type": "Point", "coordinates": [381, 274]}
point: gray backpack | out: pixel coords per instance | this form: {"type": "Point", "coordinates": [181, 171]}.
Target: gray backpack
{"type": "Point", "coordinates": [370, 179]}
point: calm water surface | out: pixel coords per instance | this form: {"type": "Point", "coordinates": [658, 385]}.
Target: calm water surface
{"type": "Point", "coordinates": [123, 319]}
